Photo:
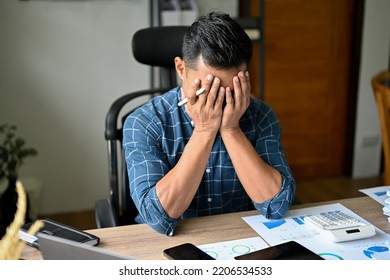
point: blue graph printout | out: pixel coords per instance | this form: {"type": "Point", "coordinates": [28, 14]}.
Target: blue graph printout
{"type": "Point", "coordinates": [377, 193]}
{"type": "Point", "coordinates": [293, 227]}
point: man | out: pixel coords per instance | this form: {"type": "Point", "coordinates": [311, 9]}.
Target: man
{"type": "Point", "coordinates": [217, 152]}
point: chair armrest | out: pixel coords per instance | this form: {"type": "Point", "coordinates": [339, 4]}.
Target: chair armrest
{"type": "Point", "coordinates": [105, 215]}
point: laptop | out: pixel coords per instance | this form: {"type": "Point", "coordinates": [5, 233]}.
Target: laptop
{"type": "Point", "coordinates": [56, 248]}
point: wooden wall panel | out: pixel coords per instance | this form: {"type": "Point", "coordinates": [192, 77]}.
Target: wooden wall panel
{"type": "Point", "coordinates": [307, 74]}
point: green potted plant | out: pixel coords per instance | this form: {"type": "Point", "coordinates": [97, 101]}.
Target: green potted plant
{"type": "Point", "coordinates": [12, 155]}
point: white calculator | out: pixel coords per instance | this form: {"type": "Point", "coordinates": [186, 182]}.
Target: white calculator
{"type": "Point", "coordinates": [339, 226]}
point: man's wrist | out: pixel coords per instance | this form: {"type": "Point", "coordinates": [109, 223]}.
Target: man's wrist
{"type": "Point", "coordinates": [206, 134]}
{"type": "Point", "coordinates": [230, 131]}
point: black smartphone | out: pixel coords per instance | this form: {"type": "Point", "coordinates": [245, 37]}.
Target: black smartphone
{"type": "Point", "coordinates": [290, 250]}
{"type": "Point", "coordinates": [186, 251]}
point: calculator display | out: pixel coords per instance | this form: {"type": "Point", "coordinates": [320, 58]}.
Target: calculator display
{"type": "Point", "coordinates": [353, 230]}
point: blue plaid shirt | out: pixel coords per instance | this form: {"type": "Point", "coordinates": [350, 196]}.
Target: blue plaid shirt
{"type": "Point", "coordinates": [154, 137]}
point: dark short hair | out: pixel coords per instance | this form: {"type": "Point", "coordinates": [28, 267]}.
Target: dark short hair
{"type": "Point", "coordinates": [221, 41]}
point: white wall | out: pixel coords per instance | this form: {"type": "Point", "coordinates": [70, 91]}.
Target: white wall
{"type": "Point", "coordinates": [62, 63]}
{"type": "Point", "coordinates": [374, 58]}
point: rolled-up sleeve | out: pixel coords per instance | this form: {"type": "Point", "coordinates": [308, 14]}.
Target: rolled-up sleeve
{"type": "Point", "coordinates": [268, 145]}
{"type": "Point", "coordinates": [146, 166]}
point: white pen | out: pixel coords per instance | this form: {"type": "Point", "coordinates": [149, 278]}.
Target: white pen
{"type": "Point", "coordinates": [185, 100]}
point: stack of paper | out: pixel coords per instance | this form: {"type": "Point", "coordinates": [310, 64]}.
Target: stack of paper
{"type": "Point", "coordinates": [386, 209]}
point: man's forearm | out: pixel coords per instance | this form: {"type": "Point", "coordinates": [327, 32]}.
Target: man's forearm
{"type": "Point", "coordinates": [260, 180]}
{"type": "Point", "coordinates": [177, 189]}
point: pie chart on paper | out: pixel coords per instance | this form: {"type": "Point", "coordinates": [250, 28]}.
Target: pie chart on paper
{"type": "Point", "coordinates": [374, 249]}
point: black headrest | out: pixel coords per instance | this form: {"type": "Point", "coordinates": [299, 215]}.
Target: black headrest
{"type": "Point", "coordinates": [158, 46]}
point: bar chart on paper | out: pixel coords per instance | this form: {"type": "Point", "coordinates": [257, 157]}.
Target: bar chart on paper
{"type": "Point", "coordinates": [289, 229]}
{"type": "Point", "coordinates": [377, 193]}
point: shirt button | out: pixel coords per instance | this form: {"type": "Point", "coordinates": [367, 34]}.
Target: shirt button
{"type": "Point", "coordinates": [208, 170]}
{"type": "Point", "coordinates": [209, 199]}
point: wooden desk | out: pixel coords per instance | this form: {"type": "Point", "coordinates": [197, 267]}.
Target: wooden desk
{"type": "Point", "coordinates": [142, 242]}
